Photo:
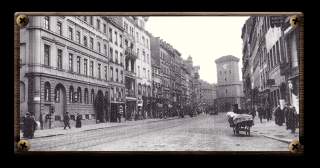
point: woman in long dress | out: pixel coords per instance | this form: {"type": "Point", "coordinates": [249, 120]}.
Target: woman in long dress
{"type": "Point", "coordinates": [78, 121]}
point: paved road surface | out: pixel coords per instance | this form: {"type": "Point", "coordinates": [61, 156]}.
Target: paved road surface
{"type": "Point", "coordinates": [201, 133]}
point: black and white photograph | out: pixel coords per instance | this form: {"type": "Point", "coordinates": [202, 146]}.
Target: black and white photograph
{"type": "Point", "coordinates": [112, 83]}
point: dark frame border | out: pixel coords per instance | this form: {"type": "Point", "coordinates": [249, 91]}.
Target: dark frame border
{"type": "Point", "coordinates": [222, 153]}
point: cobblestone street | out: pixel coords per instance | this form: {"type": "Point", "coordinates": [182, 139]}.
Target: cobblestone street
{"type": "Point", "coordinates": [201, 133]}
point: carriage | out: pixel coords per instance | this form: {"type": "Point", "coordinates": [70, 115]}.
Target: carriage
{"type": "Point", "coordinates": [240, 122]}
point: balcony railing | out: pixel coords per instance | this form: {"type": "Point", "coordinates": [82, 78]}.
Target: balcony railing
{"type": "Point", "coordinates": [131, 53]}
{"type": "Point", "coordinates": [129, 93]}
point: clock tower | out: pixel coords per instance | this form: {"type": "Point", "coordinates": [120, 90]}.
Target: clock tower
{"type": "Point", "coordinates": [229, 88]}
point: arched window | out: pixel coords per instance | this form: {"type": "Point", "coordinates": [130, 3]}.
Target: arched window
{"type": "Point", "coordinates": [144, 90]}
{"type": "Point", "coordinates": [57, 94]}
{"type": "Point", "coordinates": [71, 94]}
{"type": "Point", "coordinates": [92, 95]}
{"type": "Point", "coordinates": [47, 91]}
{"type": "Point", "coordinates": [79, 95]}
{"type": "Point", "coordinates": [22, 92]}
{"type": "Point", "coordinates": [86, 95]}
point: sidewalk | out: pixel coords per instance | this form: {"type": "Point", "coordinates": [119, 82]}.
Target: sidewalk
{"type": "Point", "coordinates": [271, 130]}
{"type": "Point", "coordinates": [60, 131]}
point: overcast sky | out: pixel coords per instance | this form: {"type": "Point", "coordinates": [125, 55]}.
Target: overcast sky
{"type": "Point", "coordinates": [204, 38]}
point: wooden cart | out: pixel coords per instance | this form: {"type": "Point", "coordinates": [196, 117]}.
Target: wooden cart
{"type": "Point", "coordinates": [241, 126]}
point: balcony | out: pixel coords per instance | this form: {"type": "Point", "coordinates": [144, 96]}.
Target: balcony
{"type": "Point", "coordinates": [130, 93]}
{"type": "Point", "coordinates": [130, 53]}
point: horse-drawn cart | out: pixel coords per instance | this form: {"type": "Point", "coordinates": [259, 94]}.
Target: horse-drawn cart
{"type": "Point", "coordinates": [240, 122]}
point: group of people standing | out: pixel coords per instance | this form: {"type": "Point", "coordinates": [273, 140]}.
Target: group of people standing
{"type": "Point", "coordinates": [67, 120]}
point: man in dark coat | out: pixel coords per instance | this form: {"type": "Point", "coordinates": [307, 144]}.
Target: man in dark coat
{"type": "Point", "coordinates": [268, 112]}
{"type": "Point", "coordinates": [67, 120]}
{"type": "Point", "coordinates": [261, 112]}
{"type": "Point", "coordinates": [78, 121]}
{"type": "Point", "coordinates": [290, 119]}
{"type": "Point", "coordinates": [279, 116]}
{"type": "Point", "coordinates": [29, 126]}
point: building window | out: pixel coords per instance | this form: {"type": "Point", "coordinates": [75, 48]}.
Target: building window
{"type": "Point", "coordinates": [70, 62]}
{"type": "Point", "coordinates": [120, 40]}
{"type": "Point", "coordinates": [86, 95]}
{"type": "Point", "coordinates": [277, 50]}
{"type": "Point", "coordinates": [92, 95]}
{"type": "Point", "coordinates": [85, 18]}
{"type": "Point", "coordinates": [46, 23]}
{"type": "Point", "coordinates": [70, 33]}
{"type": "Point", "coordinates": [79, 95]}
{"type": "Point", "coordinates": [91, 42]}
{"type": "Point", "coordinates": [120, 58]}
{"type": "Point", "coordinates": [78, 65]}
{"type": "Point", "coordinates": [59, 28]}
{"type": "Point", "coordinates": [144, 73]}
{"type": "Point", "coordinates": [91, 20]}
{"type": "Point", "coordinates": [111, 54]}
{"type": "Point", "coordinates": [137, 37]}
{"type": "Point", "coordinates": [57, 118]}
{"type": "Point", "coordinates": [99, 70]}
{"type": "Point", "coordinates": [116, 56]}
{"type": "Point", "coordinates": [148, 75]}
{"type": "Point", "coordinates": [85, 42]}
{"type": "Point", "coordinates": [110, 35]}
{"type": "Point", "coordinates": [121, 76]}
{"type": "Point", "coordinates": [87, 116]}
{"type": "Point", "coordinates": [143, 40]}
{"type": "Point", "coordinates": [139, 71]}
{"type": "Point", "coordinates": [116, 39]}
{"type": "Point", "coordinates": [46, 55]}
{"type": "Point", "coordinates": [98, 24]}
{"type": "Point", "coordinates": [106, 72]}
{"type": "Point", "coordinates": [71, 94]}
{"type": "Point", "coordinates": [148, 58]}
{"type": "Point", "coordinates": [47, 91]}
{"type": "Point", "coordinates": [85, 67]}
{"type": "Point", "coordinates": [105, 49]}
{"type": "Point", "coordinates": [57, 94]}
{"type": "Point", "coordinates": [91, 68]}
{"type": "Point", "coordinates": [98, 46]}
{"type": "Point", "coordinates": [138, 52]}
{"type": "Point", "coordinates": [117, 75]}
{"type": "Point", "coordinates": [147, 42]}
{"type": "Point", "coordinates": [144, 56]}
{"type": "Point", "coordinates": [111, 73]}
{"type": "Point", "coordinates": [22, 92]}
{"type": "Point", "coordinates": [78, 37]}
{"type": "Point", "coordinates": [104, 28]}
{"type": "Point", "coordinates": [111, 93]}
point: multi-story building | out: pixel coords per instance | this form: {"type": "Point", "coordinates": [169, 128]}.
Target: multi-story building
{"type": "Point", "coordinates": [116, 67]}
{"type": "Point", "coordinates": [190, 81]}
{"type": "Point", "coordinates": [157, 75]}
{"type": "Point", "coordinates": [131, 92]}
{"type": "Point", "coordinates": [208, 93]}
{"type": "Point", "coordinates": [143, 66]}
{"type": "Point", "coordinates": [289, 65]}
{"type": "Point", "coordinates": [177, 84]}
{"type": "Point", "coordinates": [64, 64]}
{"type": "Point", "coordinates": [276, 51]}
{"type": "Point", "coordinates": [184, 87]}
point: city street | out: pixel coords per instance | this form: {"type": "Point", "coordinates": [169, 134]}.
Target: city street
{"type": "Point", "coordinates": [201, 133]}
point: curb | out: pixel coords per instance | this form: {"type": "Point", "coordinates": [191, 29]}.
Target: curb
{"type": "Point", "coordinates": [272, 137]}
{"type": "Point", "coordinates": [98, 128]}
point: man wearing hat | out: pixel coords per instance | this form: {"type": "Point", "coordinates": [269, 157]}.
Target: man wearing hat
{"type": "Point", "coordinates": [29, 126]}
{"type": "Point", "coordinates": [67, 120]}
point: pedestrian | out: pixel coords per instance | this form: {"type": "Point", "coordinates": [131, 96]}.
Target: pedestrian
{"type": "Point", "coordinates": [268, 112]}
{"type": "Point", "coordinates": [253, 113]}
{"type": "Point", "coordinates": [67, 120]}
{"type": "Point", "coordinates": [236, 110]}
{"type": "Point", "coordinates": [78, 120]}
{"type": "Point", "coordinates": [119, 116]}
{"type": "Point", "coordinates": [291, 119]}
{"type": "Point", "coordinates": [260, 112]}
{"type": "Point", "coordinates": [279, 115]}
{"type": "Point", "coordinates": [29, 126]}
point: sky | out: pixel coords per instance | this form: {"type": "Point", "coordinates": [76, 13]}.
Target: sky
{"type": "Point", "coordinates": [204, 38]}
